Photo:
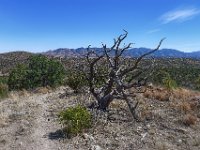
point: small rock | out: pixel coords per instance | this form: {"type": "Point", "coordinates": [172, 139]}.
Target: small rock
{"type": "Point", "coordinates": [152, 131]}
{"type": "Point", "coordinates": [143, 136]}
{"type": "Point", "coordinates": [88, 137]}
{"type": "Point", "coordinates": [180, 141]}
{"type": "Point", "coordinates": [95, 147]}
{"type": "Point", "coordinates": [148, 126]}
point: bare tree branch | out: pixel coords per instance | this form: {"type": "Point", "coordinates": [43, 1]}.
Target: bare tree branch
{"type": "Point", "coordinates": [141, 57]}
{"type": "Point", "coordinates": [118, 69]}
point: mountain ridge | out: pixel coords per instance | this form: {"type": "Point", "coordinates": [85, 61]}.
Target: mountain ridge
{"type": "Point", "coordinates": [134, 52]}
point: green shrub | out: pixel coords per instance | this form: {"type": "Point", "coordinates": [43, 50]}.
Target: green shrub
{"type": "Point", "coordinates": [3, 79]}
{"type": "Point", "coordinates": [18, 78]}
{"type": "Point", "coordinates": [75, 119]}
{"type": "Point", "coordinates": [185, 74]}
{"type": "Point", "coordinates": [101, 76]}
{"type": "Point", "coordinates": [3, 90]}
{"type": "Point", "coordinates": [159, 75]}
{"type": "Point", "coordinates": [45, 72]}
{"type": "Point", "coordinates": [169, 83]}
{"type": "Point", "coordinates": [164, 78]}
{"type": "Point", "coordinates": [40, 72]}
{"type": "Point", "coordinates": [76, 80]}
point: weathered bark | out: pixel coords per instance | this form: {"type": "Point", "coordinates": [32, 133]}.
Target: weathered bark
{"type": "Point", "coordinates": [104, 102]}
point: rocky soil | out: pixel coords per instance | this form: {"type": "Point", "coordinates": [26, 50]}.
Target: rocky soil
{"type": "Point", "coordinates": [28, 121]}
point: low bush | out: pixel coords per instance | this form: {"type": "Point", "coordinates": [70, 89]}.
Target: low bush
{"type": "Point", "coordinates": [45, 72]}
{"type": "Point", "coordinates": [75, 80]}
{"type": "Point", "coordinates": [18, 78]}
{"type": "Point", "coordinates": [3, 90]}
{"type": "Point", "coordinates": [75, 119]}
{"type": "Point", "coordinates": [3, 79]}
{"type": "Point", "coordinates": [168, 82]}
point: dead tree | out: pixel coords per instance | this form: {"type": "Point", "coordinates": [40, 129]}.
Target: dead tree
{"type": "Point", "coordinates": [116, 84]}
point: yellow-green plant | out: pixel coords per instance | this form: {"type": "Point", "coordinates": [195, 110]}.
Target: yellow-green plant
{"type": "Point", "coordinates": [168, 82]}
{"type": "Point", "coordinates": [75, 119]}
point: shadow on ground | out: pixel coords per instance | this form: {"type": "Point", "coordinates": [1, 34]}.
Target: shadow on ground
{"type": "Point", "coordinates": [57, 135]}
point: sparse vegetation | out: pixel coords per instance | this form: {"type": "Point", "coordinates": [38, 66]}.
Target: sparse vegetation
{"type": "Point", "coordinates": [3, 90]}
{"type": "Point", "coordinates": [198, 83]}
{"type": "Point", "coordinates": [182, 73]}
{"type": "Point", "coordinates": [10, 60]}
{"type": "Point", "coordinates": [75, 80]}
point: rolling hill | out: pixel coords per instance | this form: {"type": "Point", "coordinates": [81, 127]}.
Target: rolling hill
{"type": "Point", "coordinates": [11, 59]}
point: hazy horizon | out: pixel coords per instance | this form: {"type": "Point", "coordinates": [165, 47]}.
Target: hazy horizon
{"type": "Point", "coordinates": [42, 25]}
{"type": "Point", "coordinates": [1, 52]}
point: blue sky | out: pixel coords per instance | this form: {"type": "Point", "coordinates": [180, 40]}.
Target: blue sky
{"type": "Point", "coordinates": [40, 25]}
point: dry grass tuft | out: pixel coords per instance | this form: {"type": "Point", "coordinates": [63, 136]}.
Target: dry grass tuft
{"type": "Point", "coordinates": [18, 95]}
{"type": "Point", "coordinates": [162, 96]}
{"type": "Point", "coordinates": [23, 93]}
{"type": "Point", "coordinates": [42, 90]}
{"type": "Point", "coordinates": [148, 94]}
{"type": "Point", "coordinates": [184, 106]}
{"type": "Point", "coordinates": [184, 94]}
{"type": "Point", "coordinates": [189, 119]}
{"type": "Point", "coordinates": [195, 103]}
{"type": "Point", "coordinates": [3, 121]}
{"type": "Point", "coordinates": [146, 114]}
{"type": "Point", "coordinates": [184, 100]}
{"type": "Point", "coordinates": [158, 94]}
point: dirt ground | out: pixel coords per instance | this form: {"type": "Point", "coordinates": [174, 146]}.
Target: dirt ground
{"type": "Point", "coordinates": [28, 121]}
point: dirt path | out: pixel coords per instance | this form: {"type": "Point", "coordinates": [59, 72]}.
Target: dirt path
{"type": "Point", "coordinates": [42, 126]}
{"type": "Point", "coordinates": [27, 123]}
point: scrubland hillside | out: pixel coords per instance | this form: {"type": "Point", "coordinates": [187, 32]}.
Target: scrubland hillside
{"type": "Point", "coordinates": [9, 60]}
{"type": "Point", "coordinates": [49, 103]}
{"type": "Point", "coordinates": [29, 120]}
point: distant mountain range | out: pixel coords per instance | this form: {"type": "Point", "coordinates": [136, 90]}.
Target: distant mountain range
{"type": "Point", "coordinates": [80, 52]}
{"type": "Point", "coordinates": [135, 52]}
{"type": "Point", "coordinates": [11, 59]}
